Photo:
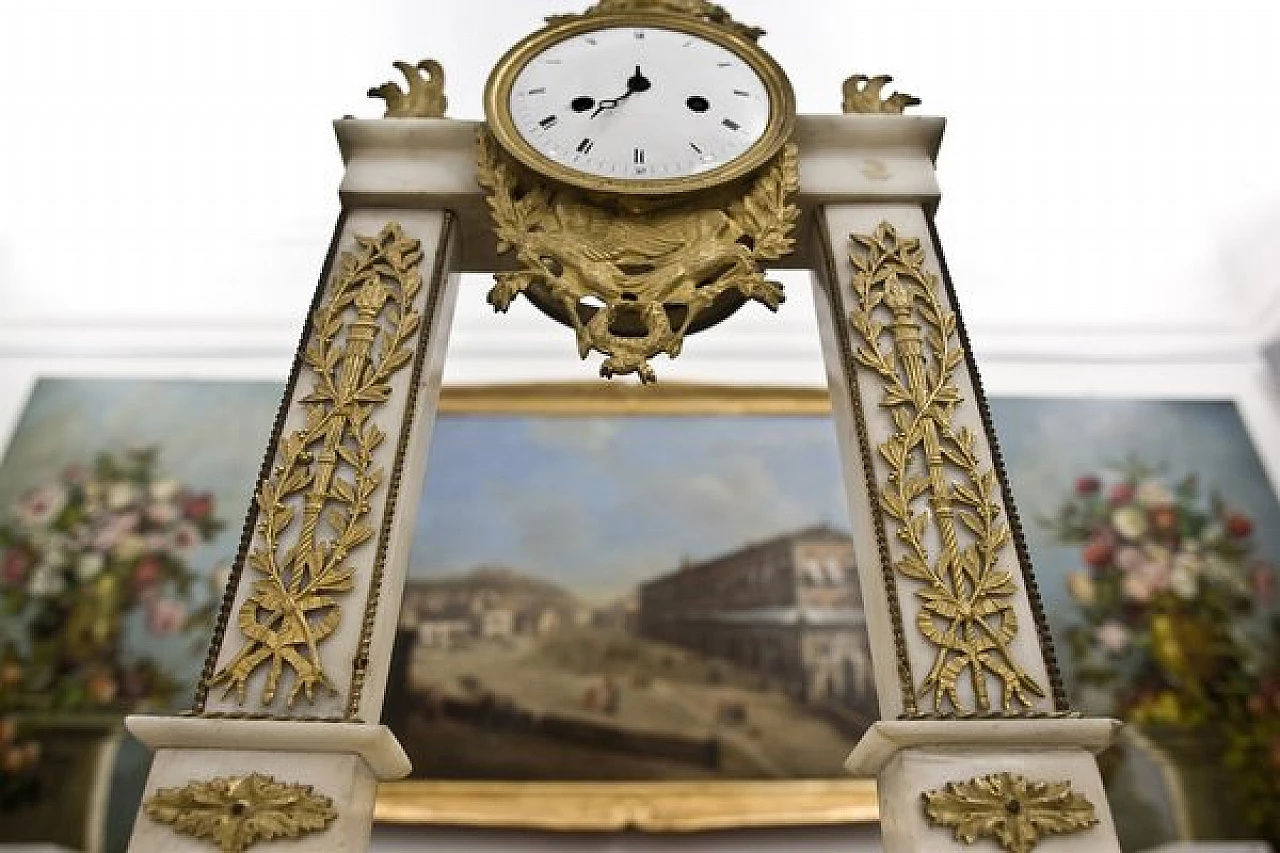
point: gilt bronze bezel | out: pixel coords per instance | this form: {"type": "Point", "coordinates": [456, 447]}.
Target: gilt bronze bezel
{"type": "Point", "coordinates": [782, 106]}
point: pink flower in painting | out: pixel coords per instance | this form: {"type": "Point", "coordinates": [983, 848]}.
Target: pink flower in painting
{"type": "Point", "coordinates": [185, 537]}
{"type": "Point", "coordinates": [40, 506]}
{"type": "Point", "coordinates": [165, 617]}
{"type": "Point", "coordinates": [197, 507]}
{"type": "Point", "coordinates": [115, 529]}
{"type": "Point", "coordinates": [1098, 553]}
{"type": "Point", "coordinates": [1164, 518]}
{"type": "Point", "coordinates": [1113, 637]}
{"type": "Point", "coordinates": [1239, 525]}
{"type": "Point", "coordinates": [147, 572]}
{"type": "Point", "coordinates": [1153, 493]}
{"type": "Point", "coordinates": [15, 565]}
{"type": "Point", "coordinates": [1128, 558]}
{"type": "Point", "coordinates": [1137, 588]}
{"type": "Point", "coordinates": [1088, 485]}
{"type": "Point", "coordinates": [162, 513]}
{"type": "Point", "coordinates": [1150, 575]}
{"type": "Point", "coordinates": [1121, 493]}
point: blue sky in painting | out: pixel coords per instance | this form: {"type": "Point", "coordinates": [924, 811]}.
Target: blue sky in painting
{"type": "Point", "coordinates": [599, 504]}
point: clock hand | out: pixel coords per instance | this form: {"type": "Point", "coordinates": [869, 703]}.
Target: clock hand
{"type": "Point", "coordinates": [635, 83]}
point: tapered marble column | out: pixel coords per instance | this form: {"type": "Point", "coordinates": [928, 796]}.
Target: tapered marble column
{"type": "Point", "coordinates": [976, 738]}
{"type": "Point", "coordinates": [283, 739]}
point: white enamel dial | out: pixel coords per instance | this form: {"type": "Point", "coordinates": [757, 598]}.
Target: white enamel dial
{"type": "Point", "coordinates": [639, 103]}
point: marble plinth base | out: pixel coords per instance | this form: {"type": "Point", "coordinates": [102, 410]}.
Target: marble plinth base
{"type": "Point", "coordinates": [342, 761]}
{"type": "Point", "coordinates": [912, 757]}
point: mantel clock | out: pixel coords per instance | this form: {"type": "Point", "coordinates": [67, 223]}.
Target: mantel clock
{"type": "Point", "coordinates": [638, 163]}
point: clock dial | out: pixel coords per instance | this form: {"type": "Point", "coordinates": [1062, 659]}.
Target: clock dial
{"type": "Point", "coordinates": [639, 103]}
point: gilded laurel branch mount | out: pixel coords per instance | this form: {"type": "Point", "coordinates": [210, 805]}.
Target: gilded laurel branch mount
{"type": "Point", "coordinates": [938, 492]}
{"type": "Point", "coordinates": [1011, 810]}
{"type": "Point", "coordinates": [313, 509]}
{"type": "Point", "coordinates": [633, 284]}
{"type": "Point", "coordinates": [234, 813]}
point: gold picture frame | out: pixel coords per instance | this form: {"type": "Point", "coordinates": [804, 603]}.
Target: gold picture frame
{"type": "Point", "coordinates": [646, 806]}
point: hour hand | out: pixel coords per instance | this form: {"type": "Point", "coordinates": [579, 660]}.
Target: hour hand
{"type": "Point", "coordinates": [638, 82]}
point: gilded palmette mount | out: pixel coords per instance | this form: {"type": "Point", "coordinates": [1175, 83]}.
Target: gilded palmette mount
{"type": "Point", "coordinates": [632, 284]}
{"type": "Point", "coordinates": [1013, 811]}
{"type": "Point", "coordinates": [313, 509]}
{"type": "Point", "coordinates": [938, 494]}
{"type": "Point", "coordinates": [233, 813]}
{"type": "Point", "coordinates": [425, 96]}
{"type": "Point", "coordinates": [864, 94]}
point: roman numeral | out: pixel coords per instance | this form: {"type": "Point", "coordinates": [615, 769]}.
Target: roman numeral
{"type": "Point", "coordinates": [695, 147]}
{"type": "Point", "coordinates": [639, 34]}
{"type": "Point", "coordinates": [591, 42]}
{"type": "Point", "coordinates": [723, 64]}
{"type": "Point", "coordinates": [638, 156]}
{"type": "Point", "coordinates": [741, 94]}
{"type": "Point", "coordinates": [731, 124]}
{"type": "Point", "coordinates": [547, 122]}
{"type": "Point", "coordinates": [541, 90]}
{"type": "Point", "coordinates": [584, 146]}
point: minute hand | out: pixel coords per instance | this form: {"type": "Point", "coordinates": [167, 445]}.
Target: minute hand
{"type": "Point", "coordinates": [636, 83]}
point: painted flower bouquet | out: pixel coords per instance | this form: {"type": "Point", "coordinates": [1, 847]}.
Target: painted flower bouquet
{"type": "Point", "coordinates": [82, 558]}
{"type": "Point", "coordinates": [1170, 632]}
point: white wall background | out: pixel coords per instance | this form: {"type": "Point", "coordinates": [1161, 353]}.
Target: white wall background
{"type": "Point", "coordinates": [1111, 212]}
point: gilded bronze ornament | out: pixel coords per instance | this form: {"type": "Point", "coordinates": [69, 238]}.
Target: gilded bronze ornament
{"type": "Point", "coordinates": [864, 94]}
{"type": "Point", "coordinates": [425, 97]}
{"type": "Point", "coordinates": [236, 812]}
{"type": "Point", "coordinates": [954, 542]}
{"type": "Point", "coordinates": [1013, 811]}
{"type": "Point", "coordinates": [633, 284]}
{"type": "Point", "coordinates": [701, 9]}
{"type": "Point", "coordinates": [313, 509]}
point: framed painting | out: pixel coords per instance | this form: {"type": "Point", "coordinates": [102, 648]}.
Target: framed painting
{"type": "Point", "coordinates": [121, 504]}
{"type": "Point", "coordinates": [631, 607]}
{"type": "Point", "coordinates": [1155, 533]}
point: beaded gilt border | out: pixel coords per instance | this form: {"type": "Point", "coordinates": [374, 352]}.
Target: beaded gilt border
{"type": "Point", "coordinates": [835, 292]}
{"type": "Point", "coordinates": [1062, 705]}
{"type": "Point", "coordinates": [360, 664]}
{"type": "Point", "coordinates": [939, 492]}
